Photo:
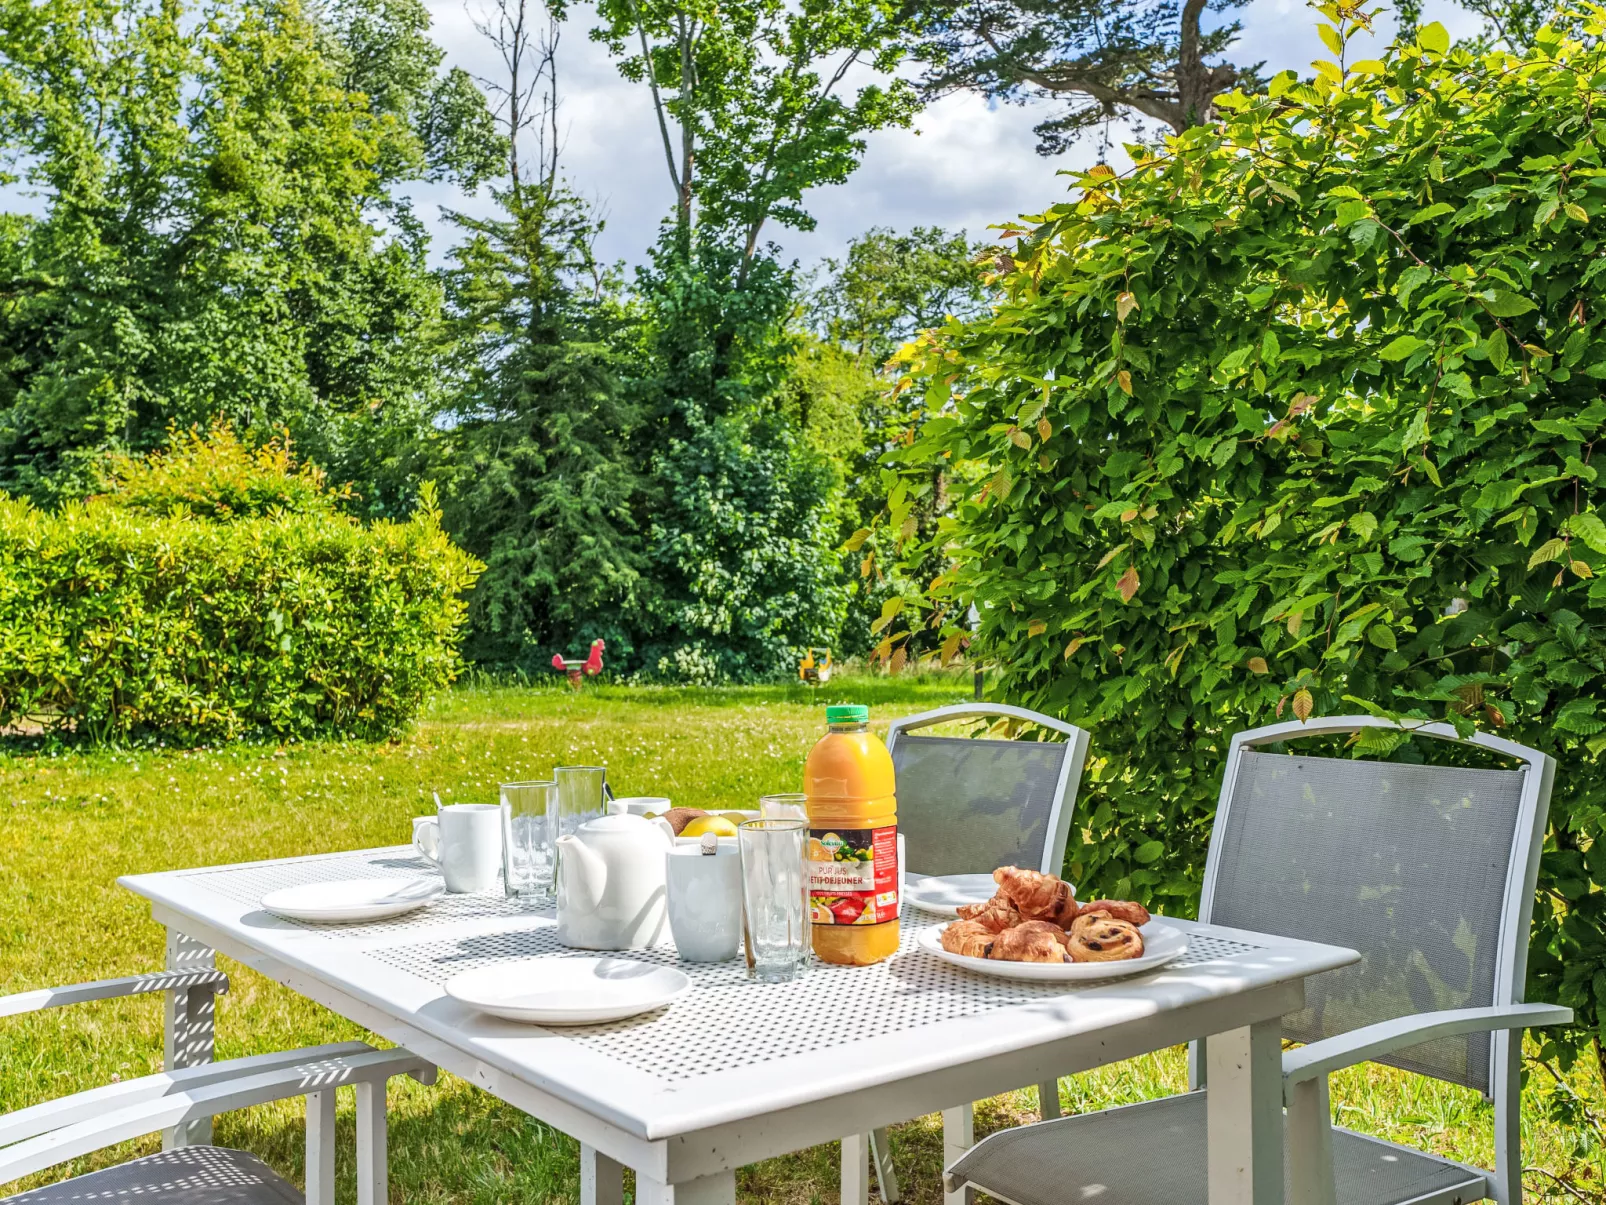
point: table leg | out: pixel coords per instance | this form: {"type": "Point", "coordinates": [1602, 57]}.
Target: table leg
{"type": "Point", "coordinates": [718, 1189]}
{"type": "Point", "coordinates": [958, 1136]}
{"type": "Point", "coordinates": [1048, 1099]}
{"type": "Point", "coordinates": [886, 1177]}
{"type": "Point", "coordinates": [1243, 1070]}
{"type": "Point", "coordinates": [602, 1181]}
{"type": "Point", "coordinates": [188, 1029]}
{"type": "Point", "coordinates": [856, 1169]}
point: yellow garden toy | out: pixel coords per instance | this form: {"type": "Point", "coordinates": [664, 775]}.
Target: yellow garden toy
{"type": "Point", "coordinates": [815, 668]}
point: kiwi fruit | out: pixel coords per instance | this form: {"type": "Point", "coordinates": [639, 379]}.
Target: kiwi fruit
{"type": "Point", "coordinates": [679, 818]}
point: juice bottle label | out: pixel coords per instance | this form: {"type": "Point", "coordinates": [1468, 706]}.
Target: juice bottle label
{"type": "Point", "coordinates": [853, 875]}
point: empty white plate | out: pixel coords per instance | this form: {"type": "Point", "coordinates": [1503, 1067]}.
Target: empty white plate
{"type": "Point", "coordinates": [944, 895]}
{"type": "Point", "coordinates": [569, 991]}
{"type": "Point", "coordinates": [1162, 943]}
{"type": "Point", "coordinates": [354, 899]}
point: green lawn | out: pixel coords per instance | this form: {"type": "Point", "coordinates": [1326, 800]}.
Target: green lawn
{"type": "Point", "coordinates": [74, 821]}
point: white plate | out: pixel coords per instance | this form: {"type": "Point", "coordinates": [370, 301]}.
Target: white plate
{"type": "Point", "coordinates": [569, 991]}
{"type": "Point", "coordinates": [354, 899]}
{"type": "Point", "coordinates": [944, 895]}
{"type": "Point", "coordinates": [1162, 943]}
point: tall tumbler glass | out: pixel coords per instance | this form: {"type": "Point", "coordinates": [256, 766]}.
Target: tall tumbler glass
{"type": "Point", "coordinates": [580, 797]}
{"type": "Point", "coordinates": [529, 814]}
{"type": "Point", "coordinates": [792, 806]}
{"type": "Point", "coordinates": [772, 889]}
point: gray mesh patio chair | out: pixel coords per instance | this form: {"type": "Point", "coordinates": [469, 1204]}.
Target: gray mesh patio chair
{"type": "Point", "coordinates": [56, 1131]}
{"type": "Point", "coordinates": [967, 806]}
{"type": "Point", "coordinates": [1429, 872]}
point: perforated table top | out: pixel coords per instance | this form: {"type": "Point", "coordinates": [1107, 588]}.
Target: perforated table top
{"type": "Point", "coordinates": [725, 1050]}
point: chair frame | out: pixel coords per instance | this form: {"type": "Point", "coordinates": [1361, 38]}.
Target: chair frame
{"type": "Point", "coordinates": [1076, 740]}
{"type": "Point", "coordinates": [182, 1100]}
{"type": "Point", "coordinates": [958, 1124]}
{"type": "Point", "coordinates": [1306, 1069]}
{"type": "Point", "coordinates": [1308, 1126]}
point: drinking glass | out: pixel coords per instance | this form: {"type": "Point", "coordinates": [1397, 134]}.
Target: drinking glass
{"type": "Point", "coordinates": [580, 797]}
{"type": "Point", "coordinates": [792, 805]}
{"type": "Point", "coordinates": [772, 890]}
{"type": "Point", "coordinates": [527, 839]}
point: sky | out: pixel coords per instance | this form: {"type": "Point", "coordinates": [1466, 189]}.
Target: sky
{"type": "Point", "coordinates": [964, 164]}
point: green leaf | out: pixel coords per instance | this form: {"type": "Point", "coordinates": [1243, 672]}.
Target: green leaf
{"type": "Point", "coordinates": [1401, 347]}
{"type": "Point", "coordinates": [1434, 38]}
{"type": "Point", "coordinates": [1589, 528]}
{"type": "Point", "coordinates": [1330, 38]}
{"type": "Point", "coordinates": [1437, 210]}
{"type": "Point", "coordinates": [1498, 348]}
{"type": "Point", "coordinates": [1550, 550]}
{"type": "Point", "coordinates": [1505, 304]}
{"type": "Point", "coordinates": [1148, 852]}
{"type": "Point", "coordinates": [1351, 211]}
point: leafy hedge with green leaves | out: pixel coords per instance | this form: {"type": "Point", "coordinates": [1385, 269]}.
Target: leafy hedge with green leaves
{"type": "Point", "coordinates": [1296, 416]}
{"type": "Point", "coordinates": [117, 622]}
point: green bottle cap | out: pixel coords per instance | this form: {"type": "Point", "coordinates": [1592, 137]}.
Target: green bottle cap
{"type": "Point", "coordinates": [847, 713]}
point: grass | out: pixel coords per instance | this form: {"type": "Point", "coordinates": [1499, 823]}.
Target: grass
{"type": "Point", "coordinates": [75, 820]}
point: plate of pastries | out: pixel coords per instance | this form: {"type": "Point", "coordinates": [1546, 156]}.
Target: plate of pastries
{"type": "Point", "coordinates": [1033, 928]}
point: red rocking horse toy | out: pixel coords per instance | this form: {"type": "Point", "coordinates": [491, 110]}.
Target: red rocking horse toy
{"type": "Point", "coordinates": [590, 667]}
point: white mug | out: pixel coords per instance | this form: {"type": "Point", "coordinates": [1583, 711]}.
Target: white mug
{"type": "Point", "coordinates": [465, 841]}
{"type": "Point", "coordinates": [705, 902]}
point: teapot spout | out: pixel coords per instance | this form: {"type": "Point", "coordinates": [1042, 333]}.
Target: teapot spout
{"type": "Point", "coordinates": [582, 876]}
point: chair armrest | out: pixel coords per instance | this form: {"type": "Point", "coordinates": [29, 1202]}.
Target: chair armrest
{"type": "Point", "coordinates": [308, 1074]}
{"type": "Point", "coordinates": [110, 989]}
{"type": "Point", "coordinates": [97, 1102]}
{"type": "Point", "coordinates": [1359, 1045]}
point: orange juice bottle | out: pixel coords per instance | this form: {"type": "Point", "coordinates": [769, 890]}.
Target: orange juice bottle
{"type": "Point", "coordinates": [853, 841]}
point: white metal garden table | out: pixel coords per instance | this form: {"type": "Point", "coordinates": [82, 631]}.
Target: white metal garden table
{"type": "Point", "coordinates": [736, 1071]}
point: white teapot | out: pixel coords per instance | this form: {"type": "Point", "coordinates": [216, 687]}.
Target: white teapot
{"type": "Point", "coordinates": [610, 883]}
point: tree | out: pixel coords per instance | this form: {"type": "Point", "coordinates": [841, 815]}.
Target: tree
{"type": "Point", "coordinates": [755, 103]}
{"type": "Point", "coordinates": [890, 286]}
{"type": "Point", "coordinates": [1296, 418]}
{"type": "Point", "coordinates": [385, 52]}
{"type": "Point", "coordinates": [540, 454]}
{"type": "Point", "coordinates": [741, 508]}
{"type": "Point", "coordinates": [1103, 59]}
{"type": "Point", "coordinates": [213, 237]}
{"type": "Point", "coordinates": [757, 93]}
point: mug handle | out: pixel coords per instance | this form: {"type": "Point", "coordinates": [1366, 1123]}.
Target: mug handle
{"type": "Point", "coordinates": [427, 838]}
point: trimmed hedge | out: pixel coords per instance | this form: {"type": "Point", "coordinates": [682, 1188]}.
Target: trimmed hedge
{"type": "Point", "coordinates": [117, 624]}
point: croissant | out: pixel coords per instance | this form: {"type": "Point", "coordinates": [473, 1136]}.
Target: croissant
{"type": "Point", "coordinates": [1100, 937]}
{"type": "Point", "coordinates": [1131, 912]}
{"type": "Point", "coordinates": [997, 914]}
{"type": "Point", "coordinates": [1038, 896]}
{"type": "Point", "coordinates": [1033, 941]}
{"type": "Point", "coordinates": [968, 938]}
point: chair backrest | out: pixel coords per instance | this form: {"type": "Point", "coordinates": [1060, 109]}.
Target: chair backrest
{"type": "Point", "coordinates": [1427, 870]}
{"type": "Point", "coordinates": [970, 805]}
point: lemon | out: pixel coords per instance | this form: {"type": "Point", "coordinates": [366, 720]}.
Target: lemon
{"type": "Point", "coordinates": [717, 825]}
{"type": "Point", "coordinates": [735, 817]}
